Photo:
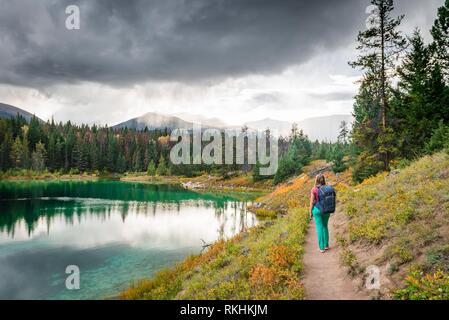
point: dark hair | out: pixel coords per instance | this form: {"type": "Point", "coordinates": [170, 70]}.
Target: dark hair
{"type": "Point", "coordinates": [320, 180]}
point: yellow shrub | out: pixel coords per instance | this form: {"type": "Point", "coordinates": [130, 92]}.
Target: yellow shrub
{"type": "Point", "coordinates": [265, 213]}
{"type": "Point", "coordinates": [372, 230]}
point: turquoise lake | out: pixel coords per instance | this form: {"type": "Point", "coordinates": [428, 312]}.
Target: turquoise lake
{"type": "Point", "coordinates": [115, 232]}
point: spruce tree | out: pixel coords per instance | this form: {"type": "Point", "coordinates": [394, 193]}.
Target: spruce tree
{"type": "Point", "coordinates": [440, 33]}
{"type": "Point", "coordinates": [5, 152]}
{"type": "Point", "coordinates": [162, 167]}
{"type": "Point", "coordinates": [338, 164]}
{"type": "Point", "coordinates": [151, 170]}
{"type": "Point", "coordinates": [38, 157]}
{"type": "Point", "coordinates": [414, 107]}
{"type": "Point", "coordinates": [343, 134]}
{"type": "Point", "coordinates": [380, 46]}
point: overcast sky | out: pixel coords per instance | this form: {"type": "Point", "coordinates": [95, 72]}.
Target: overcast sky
{"type": "Point", "coordinates": [238, 60]}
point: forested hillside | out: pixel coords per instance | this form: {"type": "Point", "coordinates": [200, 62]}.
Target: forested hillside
{"type": "Point", "coordinates": [402, 108]}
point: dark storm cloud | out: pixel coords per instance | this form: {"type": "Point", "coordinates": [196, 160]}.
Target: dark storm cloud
{"type": "Point", "coordinates": [124, 42]}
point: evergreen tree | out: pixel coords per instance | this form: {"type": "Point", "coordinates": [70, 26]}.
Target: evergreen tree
{"type": "Point", "coordinates": [439, 139]}
{"type": "Point", "coordinates": [94, 155]}
{"type": "Point", "coordinates": [162, 167]}
{"type": "Point", "coordinates": [121, 163]}
{"type": "Point", "coordinates": [338, 164]}
{"type": "Point", "coordinates": [323, 151]}
{"type": "Point", "coordinates": [111, 153]}
{"type": "Point", "coordinates": [419, 100]}
{"type": "Point", "coordinates": [75, 155]}
{"type": "Point", "coordinates": [59, 155]}
{"type": "Point", "coordinates": [34, 132]}
{"type": "Point", "coordinates": [256, 173]}
{"type": "Point", "coordinates": [17, 151]}
{"type": "Point", "coordinates": [52, 152]}
{"type": "Point", "coordinates": [343, 135]}
{"type": "Point", "coordinates": [440, 33]}
{"type": "Point", "coordinates": [298, 155]}
{"type": "Point", "coordinates": [365, 154]}
{"type": "Point", "coordinates": [70, 150]}
{"type": "Point", "coordinates": [26, 160]}
{"type": "Point", "coordinates": [84, 152]}
{"type": "Point", "coordinates": [151, 170]}
{"type": "Point", "coordinates": [5, 152]}
{"type": "Point", "coordinates": [137, 160]}
{"type": "Point", "coordinates": [38, 157]}
{"type": "Point", "coordinates": [380, 46]}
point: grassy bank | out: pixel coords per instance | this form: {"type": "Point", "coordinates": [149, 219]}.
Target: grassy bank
{"type": "Point", "coordinates": [35, 175]}
{"type": "Point", "coordinates": [264, 262]}
{"type": "Point", "coordinates": [241, 182]}
{"type": "Point", "coordinates": [399, 222]}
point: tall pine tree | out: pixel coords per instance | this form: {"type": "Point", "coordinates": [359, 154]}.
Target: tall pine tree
{"type": "Point", "coordinates": [440, 33]}
{"type": "Point", "coordinates": [380, 46]}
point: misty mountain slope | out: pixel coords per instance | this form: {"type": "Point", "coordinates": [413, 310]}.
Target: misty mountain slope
{"type": "Point", "coordinates": [282, 127]}
{"type": "Point", "coordinates": [319, 128]}
{"type": "Point", "coordinates": [153, 121]}
{"type": "Point", "coordinates": [204, 121]}
{"type": "Point", "coordinates": [7, 111]}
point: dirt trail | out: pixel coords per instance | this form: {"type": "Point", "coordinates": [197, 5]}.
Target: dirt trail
{"type": "Point", "coordinates": [324, 277]}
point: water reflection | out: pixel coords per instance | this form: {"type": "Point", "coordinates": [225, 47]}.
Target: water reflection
{"type": "Point", "coordinates": [116, 232]}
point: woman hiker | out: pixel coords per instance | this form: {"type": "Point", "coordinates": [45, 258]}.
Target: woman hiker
{"type": "Point", "coordinates": [321, 219]}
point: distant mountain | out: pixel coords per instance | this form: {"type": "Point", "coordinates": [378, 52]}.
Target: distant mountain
{"type": "Point", "coordinates": [282, 127]}
{"type": "Point", "coordinates": [7, 111]}
{"type": "Point", "coordinates": [153, 121]}
{"type": "Point", "coordinates": [320, 128]}
{"type": "Point", "coordinates": [204, 121]}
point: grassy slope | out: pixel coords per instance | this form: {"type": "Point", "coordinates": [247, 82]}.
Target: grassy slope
{"type": "Point", "coordinates": [261, 263]}
{"type": "Point", "coordinates": [399, 222]}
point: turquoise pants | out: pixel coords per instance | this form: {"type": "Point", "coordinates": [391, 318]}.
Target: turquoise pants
{"type": "Point", "coordinates": [321, 221]}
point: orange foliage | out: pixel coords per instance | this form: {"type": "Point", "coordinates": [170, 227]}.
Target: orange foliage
{"type": "Point", "coordinates": [164, 140]}
{"type": "Point", "coordinates": [263, 276]}
{"type": "Point", "coordinates": [281, 256]}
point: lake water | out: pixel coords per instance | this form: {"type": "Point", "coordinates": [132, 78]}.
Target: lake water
{"type": "Point", "coordinates": [115, 232]}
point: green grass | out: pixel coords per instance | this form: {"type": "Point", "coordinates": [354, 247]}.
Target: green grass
{"type": "Point", "coordinates": [420, 286]}
{"type": "Point", "coordinates": [404, 216]}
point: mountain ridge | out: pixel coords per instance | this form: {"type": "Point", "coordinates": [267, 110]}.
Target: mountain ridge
{"type": "Point", "coordinates": [8, 111]}
{"type": "Point", "coordinates": [324, 128]}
